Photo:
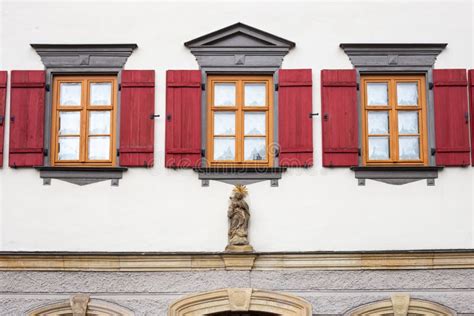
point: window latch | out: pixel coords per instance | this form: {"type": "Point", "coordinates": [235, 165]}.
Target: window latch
{"type": "Point", "coordinates": [12, 118]}
{"type": "Point", "coordinates": [313, 114]}
{"type": "Point", "coordinates": [168, 117]}
{"type": "Point", "coordinates": [326, 116]}
{"type": "Point", "coordinates": [153, 116]}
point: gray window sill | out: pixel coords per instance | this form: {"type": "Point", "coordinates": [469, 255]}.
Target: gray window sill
{"type": "Point", "coordinates": [240, 175]}
{"type": "Point", "coordinates": [81, 175]}
{"type": "Point", "coordinates": [396, 175]}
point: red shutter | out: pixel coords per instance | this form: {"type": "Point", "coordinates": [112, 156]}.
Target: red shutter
{"type": "Point", "coordinates": [183, 119]}
{"type": "Point", "coordinates": [136, 126]}
{"type": "Point", "coordinates": [339, 118]}
{"type": "Point", "coordinates": [471, 93]}
{"type": "Point", "coordinates": [295, 124]}
{"type": "Point", "coordinates": [27, 118]}
{"type": "Point", "coordinates": [451, 117]}
{"type": "Point", "coordinates": [3, 100]}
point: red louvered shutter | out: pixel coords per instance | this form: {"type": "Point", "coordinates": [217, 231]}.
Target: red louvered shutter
{"type": "Point", "coordinates": [136, 125]}
{"type": "Point", "coordinates": [295, 124]}
{"type": "Point", "coordinates": [340, 118]}
{"type": "Point", "coordinates": [3, 101]}
{"type": "Point", "coordinates": [451, 117]}
{"type": "Point", "coordinates": [183, 119]}
{"type": "Point", "coordinates": [471, 93]}
{"type": "Point", "coordinates": [27, 118]}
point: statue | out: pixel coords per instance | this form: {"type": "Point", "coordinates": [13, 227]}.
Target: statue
{"type": "Point", "coordinates": [239, 217]}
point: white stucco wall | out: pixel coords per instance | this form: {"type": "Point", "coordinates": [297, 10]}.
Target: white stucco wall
{"type": "Point", "coordinates": [165, 210]}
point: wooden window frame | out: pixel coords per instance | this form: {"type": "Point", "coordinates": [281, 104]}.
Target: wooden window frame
{"type": "Point", "coordinates": [393, 109]}
{"type": "Point", "coordinates": [239, 110]}
{"type": "Point", "coordinates": [84, 109]}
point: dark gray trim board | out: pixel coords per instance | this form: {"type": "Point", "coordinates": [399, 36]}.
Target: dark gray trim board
{"type": "Point", "coordinates": [81, 175]}
{"type": "Point", "coordinates": [396, 175]}
{"type": "Point", "coordinates": [242, 176]}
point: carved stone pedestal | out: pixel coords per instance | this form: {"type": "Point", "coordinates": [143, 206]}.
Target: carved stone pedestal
{"type": "Point", "coordinates": [239, 248]}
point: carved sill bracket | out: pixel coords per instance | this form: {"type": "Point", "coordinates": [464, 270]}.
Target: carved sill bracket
{"type": "Point", "coordinates": [240, 176]}
{"type": "Point", "coordinates": [81, 175]}
{"type": "Point", "coordinates": [396, 175]}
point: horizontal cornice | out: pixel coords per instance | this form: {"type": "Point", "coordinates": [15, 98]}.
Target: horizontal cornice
{"type": "Point", "coordinates": [38, 261]}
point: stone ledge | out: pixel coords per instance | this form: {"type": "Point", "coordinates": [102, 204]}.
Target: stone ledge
{"type": "Point", "coordinates": [461, 259]}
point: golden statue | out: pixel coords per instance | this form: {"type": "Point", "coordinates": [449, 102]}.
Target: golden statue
{"type": "Point", "coordinates": [239, 217]}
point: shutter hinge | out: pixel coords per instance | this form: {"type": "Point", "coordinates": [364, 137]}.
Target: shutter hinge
{"type": "Point", "coordinates": [430, 86]}
{"type": "Point", "coordinates": [359, 152]}
{"type": "Point", "coordinates": [2, 119]}
{"type": "Point", "coordinates": [118, 152]}
{"type": "Point", "coordinates": [47, 87]}
{"type": "Point", "coordinates": [466, 117]}
{"type": "Point", "coordinates": [119, 87]}
{"type": "Point", "coordinates": [276, 86]}
{"type": "Point", "coordinates": [45, 152]}
{"type": "Point", "coordinates": [357, 86]}
{"type": "Point", "coordinates": [277, 152]}
{"type": "Point", "coordinates": [203, 86]}
{"type": "Point", "coordinates": [203, 152]}
{"type": "Point", "coordinates": [153, 116]}
{"type": "Point", "coordinates": [313, 114]}
{"type": "Point", "coordinates": [433, 151]}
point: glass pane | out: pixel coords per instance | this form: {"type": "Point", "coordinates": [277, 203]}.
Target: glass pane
{"type": "Point", "coordinates": [101, 93]}
{"type": "Point", "coordinates": [409, 148]}
{"type": "Point", "coordinates": [69, 123]}
{"type": "Point", "coordinates": [255, 123]}
{"type": "Point", "coordinates": [377, 93]}
{"type": "Point", "coordinates": [99, 148]}
{"type": "Point", "coordinates": [255, 94]}
{"type": "Point", "coordinates": [255, 148]}
{"type": "Point", "coordinates": [407, 93]}
{"type": "Point", "coordinates": [99, 122]}
{"type": "Point", "coordinates": [378, 148]}
{"type": "Point", "coordinates": [224, 123]}
{"type": "Point", "coordinates": [68, 148]}
{"type": "Point", "coordinates": [224, 148]}
{"type": "Point", "coordinates": [378, 122]}
{"type": "Point", "coordinates": [70, 93]}
{"type": "Point", "coordinates": [224, 94]}
{"type": "Point", "coordinates": [407, 122]}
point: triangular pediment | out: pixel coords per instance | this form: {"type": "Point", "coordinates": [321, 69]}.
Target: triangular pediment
{"type": "Point", "coordinates": [239, 35]}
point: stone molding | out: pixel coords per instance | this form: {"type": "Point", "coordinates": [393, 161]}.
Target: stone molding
{"type": "Point", "coordinates": [401, 305]}
{"type": "Point", "coordinates": [244, 262]}
{"type": "Point", "coordinates": [81, 305]}
{"type": "Point", "coordinates": [237, 299]}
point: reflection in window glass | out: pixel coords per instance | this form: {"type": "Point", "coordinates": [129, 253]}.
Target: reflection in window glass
{"type": "Point", "coordinates": [255, 94]}
{"type": "Point", "coordinates": [224, 94]}
{"type": "Point", "coordinates": [379, 148]}
{"type": "Point", "coordinates": [254, 123]}
{"type": "Point", "coordinates": [407, 93]}
{"type": "Point", "coordinates": [224, 148]}
{"type": "Point", "coordinates": [377, 93]}
{"type": "Point", "coordinates": [255, 148]}
{"type": "Point", "coordinates": [70, 93]}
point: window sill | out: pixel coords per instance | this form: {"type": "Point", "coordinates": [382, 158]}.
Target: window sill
{"type": "Point", "coordinates": [240, 175]}
{"type": "Point", "coordinates": [81, 175]}
{"type": "Point", "coordinates": [397, 175]}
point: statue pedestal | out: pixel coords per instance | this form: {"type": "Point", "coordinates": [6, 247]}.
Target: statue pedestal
{"type": "Point", "coordinates": [239, 248]}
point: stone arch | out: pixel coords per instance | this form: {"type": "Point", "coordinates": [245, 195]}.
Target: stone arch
{"type": "Point", "coordinates": [81, 306]}
{"type": "Point", "coordinates": [401, 305]}
{"type": "Point", "coordinates": [240, 300]}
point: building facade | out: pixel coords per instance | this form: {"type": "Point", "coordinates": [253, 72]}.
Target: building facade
{"type": "Point", "coordinates": [236, 158]}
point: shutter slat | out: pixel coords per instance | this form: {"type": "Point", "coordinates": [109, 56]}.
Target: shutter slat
{"type": "Point", "coordinates": [136, 127]}
{"type": "Point", "coordinates": [451, 117]}
{"type": "Point", "coordinates": [340, 118]}
{"type": "Point", "coordinates": [471, 96]}
{"type": "Point", "coordinates": [295, 126]}
{"type": "Point", "coordinates": [27, 102]}
{"type": "Point", "coordinates": [183, 124]}
{"type": "Point", "coordinates": [3, 101]}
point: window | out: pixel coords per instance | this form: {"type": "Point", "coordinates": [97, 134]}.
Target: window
{"type": "Point", "coordinates": [83, 121]}
{"type": "Point", "coordinates": [240, 111]}
{"type": "Point", "coordinates": [394, 120]}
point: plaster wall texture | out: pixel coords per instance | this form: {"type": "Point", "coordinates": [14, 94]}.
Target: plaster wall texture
{"type": "Point", "coordinates": [151, 293]}
{"type": "Point", "coordinates": [167, 210]}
